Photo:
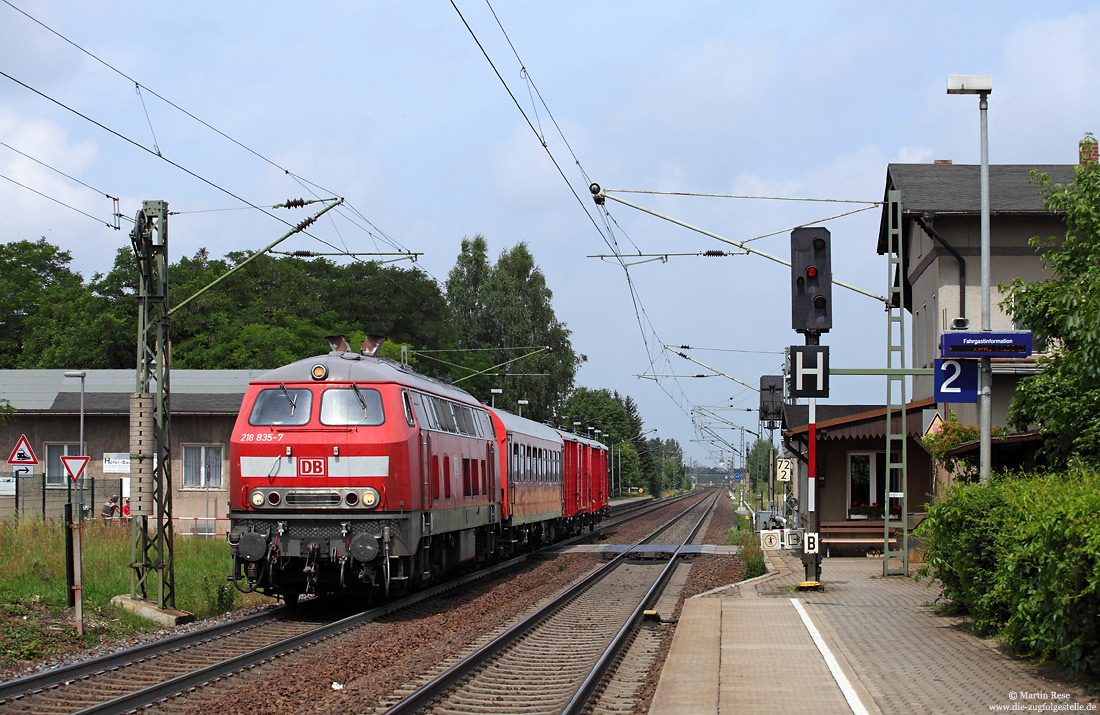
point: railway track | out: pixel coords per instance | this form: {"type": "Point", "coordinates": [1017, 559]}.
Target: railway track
{"type": "Point", "coordinates": [554, 660]}
{"type": "Point", "coordinates": [137, 677]}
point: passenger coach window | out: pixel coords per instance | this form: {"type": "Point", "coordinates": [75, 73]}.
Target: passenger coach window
{"type": "Point", "coordinates": [281, 406]}
{"type": "Point", "coordinates": [355, 406]}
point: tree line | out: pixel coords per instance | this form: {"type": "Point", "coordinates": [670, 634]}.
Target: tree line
{"type": "Point", "coordinates": [492, 325]}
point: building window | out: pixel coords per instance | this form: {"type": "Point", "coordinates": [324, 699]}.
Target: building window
{"type": "Point", "coordinates": [202, 467]}
{"type": "Point", "coordinates": [918, 339]}
{"type": "Point", "coordinates": [866, 483]}
{"type": "Point", "coordinates": [935, 328]}
{"type": "Point", "coordinates": [56, 475]}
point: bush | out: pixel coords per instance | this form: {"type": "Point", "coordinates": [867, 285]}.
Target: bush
{"type": "Point", "coordinates": [751, 552]}
{"type": "Point", "coordinates": [1022, 556]}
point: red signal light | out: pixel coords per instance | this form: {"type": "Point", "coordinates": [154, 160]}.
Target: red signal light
{"type": "Point", "coordinates": [811, 271]}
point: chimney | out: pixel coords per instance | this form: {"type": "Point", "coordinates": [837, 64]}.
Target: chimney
{"type": "Point", "coordinates": [1088, 150]}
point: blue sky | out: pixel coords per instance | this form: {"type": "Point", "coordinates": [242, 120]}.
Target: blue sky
{"type": "Point", "coordinates": [394, 107]}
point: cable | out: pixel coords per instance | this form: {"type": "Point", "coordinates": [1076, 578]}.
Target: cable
{"type": "Point", "coordinates": [58, 171]}
{"type": "Point", "coordinates": [138, 87]}
{"type": "Point", "coordinates": [638, 309]}
{"type": "Point", "coordinates": [737, 196]}
{"type": "Point", "coordinates": [58, 201]}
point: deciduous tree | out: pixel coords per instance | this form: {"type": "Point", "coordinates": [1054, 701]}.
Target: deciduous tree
{"type": "Point", "coordinates": [1063, 312]}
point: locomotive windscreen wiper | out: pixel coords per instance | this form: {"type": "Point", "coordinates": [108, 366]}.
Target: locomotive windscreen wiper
{"type": "Point", "coordinates": [362, 401]}
{"type": "Point", "coordinates": [292, 400]}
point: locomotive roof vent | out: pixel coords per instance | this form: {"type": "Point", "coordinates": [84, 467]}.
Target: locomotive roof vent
{"type": "Point", "coordinates": [372, 344]}
{"type": "Point", "coordinates": [338, 343]}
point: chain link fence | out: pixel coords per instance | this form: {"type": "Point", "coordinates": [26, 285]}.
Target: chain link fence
{"type": "Point", "coordinates": [32, 497]}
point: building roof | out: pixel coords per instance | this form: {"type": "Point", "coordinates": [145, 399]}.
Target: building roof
{"type": "Point", "coordinates": [849, 421]}
{"type": "Point", "coordinates": [108, 391]}
{"type": "Point", "coordinates": [956, 189]}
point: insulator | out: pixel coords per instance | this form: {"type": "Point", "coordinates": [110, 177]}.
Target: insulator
{"type": "Point", "coordinates": [302, 254]}
{"type": "Point", "coordinates": [714, 253]}
{"type": "Point", "coordinates": [305, 224]}
{"type": "Point", "coordinates": [295, 203]}
{"type": "Point", "coordinates": [685, 347]}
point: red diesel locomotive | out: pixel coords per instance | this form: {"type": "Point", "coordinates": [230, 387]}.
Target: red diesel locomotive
{"type": "Point", "coordinates": [350, 472]}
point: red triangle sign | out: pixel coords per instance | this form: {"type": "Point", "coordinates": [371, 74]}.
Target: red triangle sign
{"type": "Point", "coordinates": [75, 466]}
{"type": "Point", "coordinates": [22, 454]}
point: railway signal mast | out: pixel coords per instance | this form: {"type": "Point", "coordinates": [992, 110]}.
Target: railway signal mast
{"type": "Point", "coordinates": [811, 315]}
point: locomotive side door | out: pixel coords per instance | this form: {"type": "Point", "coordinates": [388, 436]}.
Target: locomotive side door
{"type": "Point", "coordinates": [425, 469]}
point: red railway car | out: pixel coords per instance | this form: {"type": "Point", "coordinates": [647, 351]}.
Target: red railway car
{"type": "Point", "coordinates": [586, 481]}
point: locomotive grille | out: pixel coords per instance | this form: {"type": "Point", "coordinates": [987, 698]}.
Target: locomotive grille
{"type": "Point", "coordinates": [312, 499]}
{"type": "Point", "coordinates": [319, 529]}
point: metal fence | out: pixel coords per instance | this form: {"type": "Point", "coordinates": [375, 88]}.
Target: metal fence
{"type": "Point", "coordinates": [34, 498]}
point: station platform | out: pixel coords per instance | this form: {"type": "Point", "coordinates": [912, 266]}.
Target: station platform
{"type": "Point", "coordinates": [866, 644]}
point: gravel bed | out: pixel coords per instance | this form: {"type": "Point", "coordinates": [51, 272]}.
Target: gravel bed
{"type": "Point", "coordinates": [132, 641]}
{"type": "Point", "coordinates": [354, 673]}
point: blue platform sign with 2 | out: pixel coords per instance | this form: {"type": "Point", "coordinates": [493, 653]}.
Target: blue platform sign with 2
{"type": "Point", "coordinates": [956, 380]}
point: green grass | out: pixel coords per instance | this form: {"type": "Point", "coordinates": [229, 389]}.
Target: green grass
{"type": "Point", "coordinates": [35, 621]}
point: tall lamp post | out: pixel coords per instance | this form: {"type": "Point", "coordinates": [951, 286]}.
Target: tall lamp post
{"type": "Point", "coordinates": [495, 391]}
{"type": "Point", "coordinates": [982, 85]}
{"type": "Point", "coordinates": [521, 403]}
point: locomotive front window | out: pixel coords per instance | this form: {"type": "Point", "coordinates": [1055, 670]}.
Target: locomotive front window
{"type": "Point", "coordinates": [352, 406]}
{"type": "Point", "coordinates": [281, 406]}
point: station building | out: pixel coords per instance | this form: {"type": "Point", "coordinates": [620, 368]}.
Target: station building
{"type": "Point", "coordinates": [941, 245]}
{"type": "Point", "coordinates": [204, 405]}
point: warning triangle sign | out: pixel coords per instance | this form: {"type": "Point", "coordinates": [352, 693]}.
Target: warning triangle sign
{"type": "Point", "coordinates": [75, 466]}
{"type": "Point", "coordinates": [22, 454]}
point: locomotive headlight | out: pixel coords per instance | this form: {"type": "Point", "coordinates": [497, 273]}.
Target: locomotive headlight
{"type": "Point", "coordinates": [319, 372]}
{"type": "Point", "coordinates": [370, 497]}
{"type": "Point", "coordinates": [257, 498]}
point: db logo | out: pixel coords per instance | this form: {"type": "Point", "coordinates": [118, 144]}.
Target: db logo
{"type": "Point", "coordinates": [312, 467]}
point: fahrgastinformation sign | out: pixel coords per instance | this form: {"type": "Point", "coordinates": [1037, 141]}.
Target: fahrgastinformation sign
{"type": "Point", "coordinates": [1010, 343]}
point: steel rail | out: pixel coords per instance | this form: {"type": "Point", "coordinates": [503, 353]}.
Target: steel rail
{"type": "Point", "coordinates": [38, 682]}
{"type": "Point", "coordinates": [173, 686]}
{"type": "Point", "coordinates": [67, 673]}
{"type": "Point", "coordinates": [424, 695]}
{"type": "Point", "coordinates": [579, 701]}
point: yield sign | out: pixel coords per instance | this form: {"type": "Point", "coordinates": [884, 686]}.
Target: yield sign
{"type": "Point", "coordinates": [22, 454]}
{"type": "Point", "coordinates": [75, 466]}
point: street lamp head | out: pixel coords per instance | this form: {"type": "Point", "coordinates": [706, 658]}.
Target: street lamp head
{"type": "Point", "coordinates": [969, 84]}
{"type": "Point", "coordinates": [496, 391]}
{"type": "Point", "coordinates": [75, 373]}
{"type": "Point", "coordinates": [522, 402]}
